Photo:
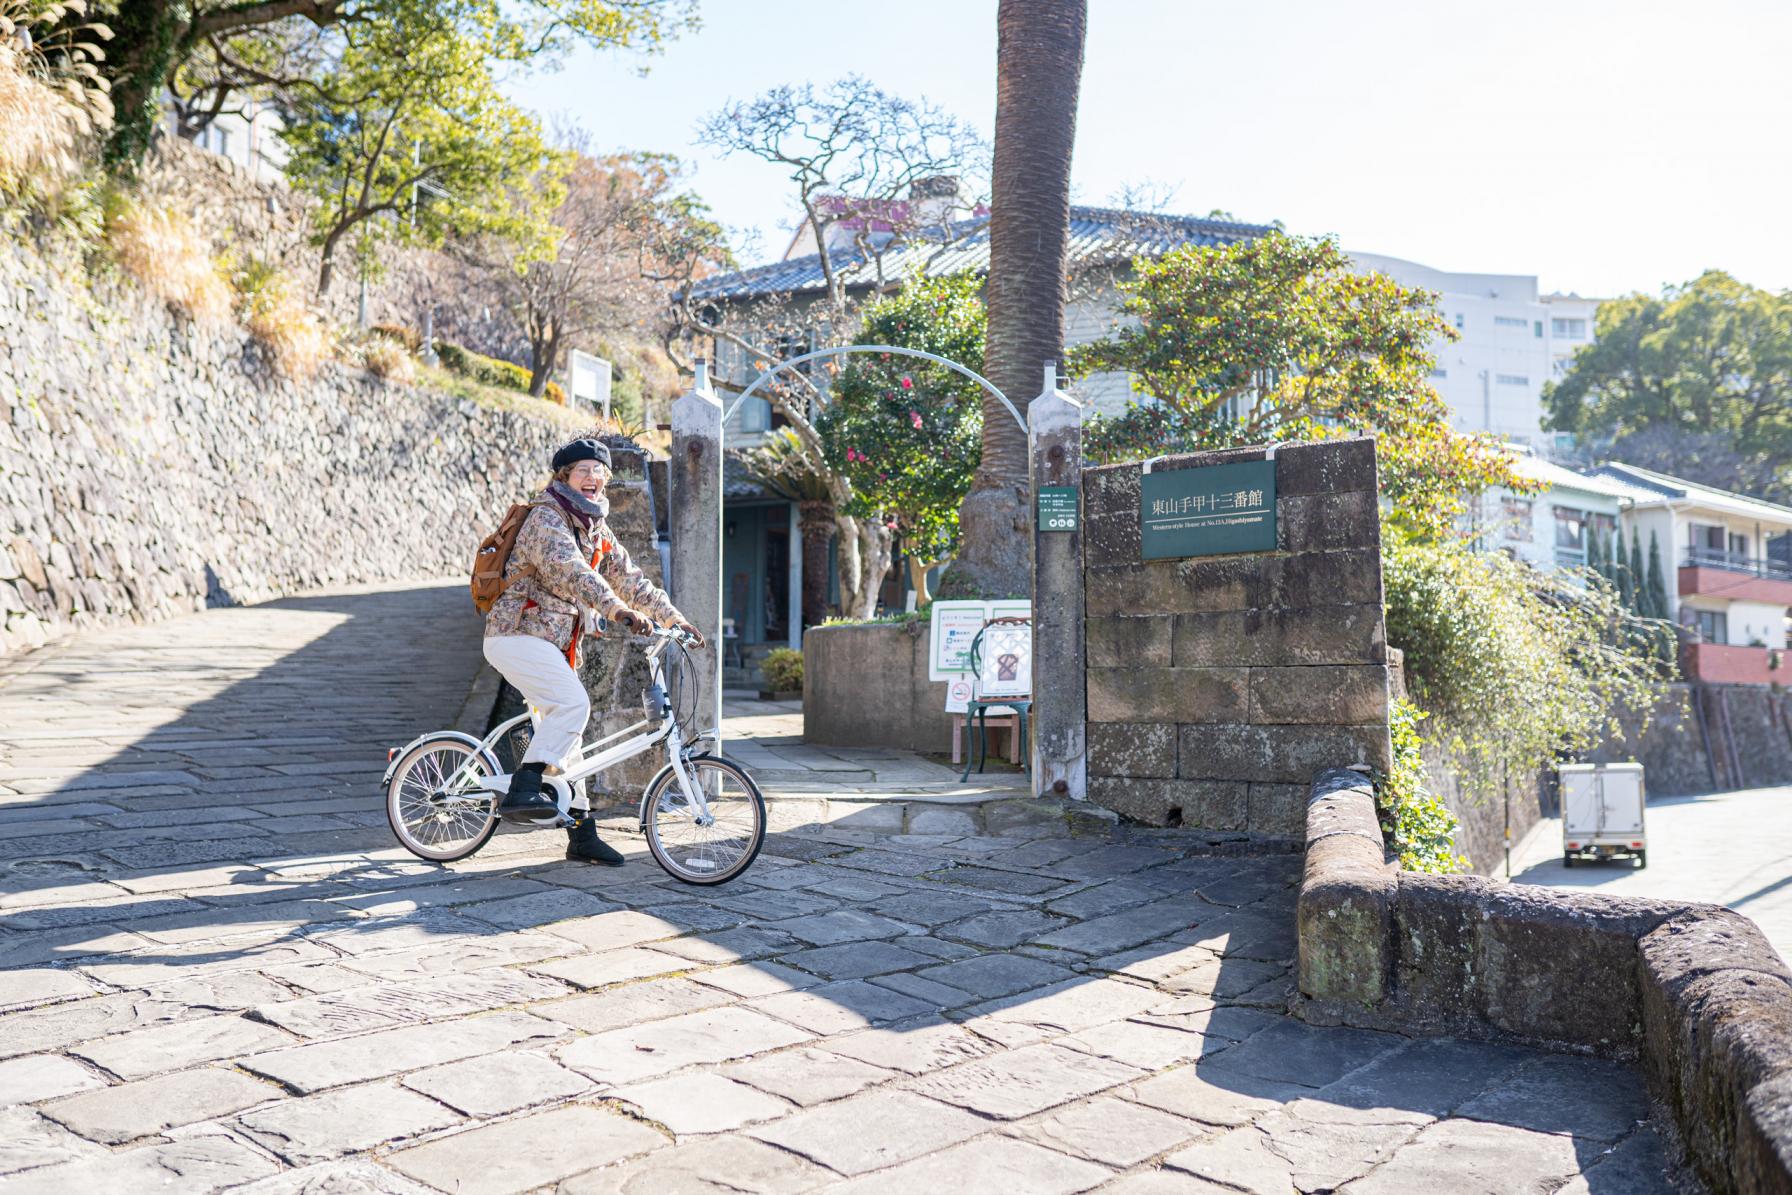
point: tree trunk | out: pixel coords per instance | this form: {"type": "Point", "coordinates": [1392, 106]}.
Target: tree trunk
{"type": "Point", "coordinates": [1039, 66]}
{"type": "Point", "coordinates": [917, 578]}
{"type": "Point", "coordinates": [865, 549]}
{"type": "Point", "coordinates": [145, 36]}
{"type": "Point", "coordinates": [327, 270]}
{"type": "Point", "coordinates": [541, 363]}
{"type": "Point", "coordinates": [816, 522]}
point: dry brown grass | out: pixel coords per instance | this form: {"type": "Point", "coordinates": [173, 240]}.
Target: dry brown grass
{"type": "Point", "coordinates": [164, 251]}
{"type": "Point", "coordinates": [53, 101]}
{"type": "Point", "coordinates": [385, 358]}
{"type": "Point", "coordinates": [281, 321]}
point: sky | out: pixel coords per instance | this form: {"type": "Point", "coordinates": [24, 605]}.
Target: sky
{"type": "Point", "coordinates": [1605, 146]}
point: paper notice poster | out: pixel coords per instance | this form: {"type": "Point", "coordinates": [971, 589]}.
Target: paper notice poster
{"type": "Point", "coordinates": [958, 696]}
{"type": "Point", "coordinates": [954, 626]}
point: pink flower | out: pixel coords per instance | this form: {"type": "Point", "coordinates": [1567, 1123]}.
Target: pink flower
{"type": "Point", "coordinates": [908, 383]}
{"type": "Point", "coordinates": [914, 417]}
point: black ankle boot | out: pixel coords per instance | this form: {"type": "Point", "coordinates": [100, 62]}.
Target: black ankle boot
{"type": "Point", "coordinates": [526, 802]}
{"type": "Point", "coordinates": [583, 843]}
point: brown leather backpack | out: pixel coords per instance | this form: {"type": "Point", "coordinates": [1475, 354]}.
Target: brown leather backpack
{"type": "Point", "coordinates": [489, 581]}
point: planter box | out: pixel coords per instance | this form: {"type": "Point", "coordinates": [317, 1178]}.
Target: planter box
{"type": "Point", "coordinates": [867, 686]}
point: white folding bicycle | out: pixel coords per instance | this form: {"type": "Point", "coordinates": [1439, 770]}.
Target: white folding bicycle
{"type": "Point", "coordinates": [702, 815]}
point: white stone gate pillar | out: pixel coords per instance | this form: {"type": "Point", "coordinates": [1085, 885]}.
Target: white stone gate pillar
{"type": "Point", "coordinates": [695, 519]}
{"type": "Point", "coordinates": [1055, 452]}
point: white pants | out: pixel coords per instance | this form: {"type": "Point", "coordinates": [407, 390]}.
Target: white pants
{"type": "Point", "coordinates": [541, 674]}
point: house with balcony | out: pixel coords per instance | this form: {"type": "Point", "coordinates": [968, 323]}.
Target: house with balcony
{"type": "Point", "coordinates": [1729, 559]}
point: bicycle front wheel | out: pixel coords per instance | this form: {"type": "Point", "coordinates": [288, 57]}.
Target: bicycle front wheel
{"type": "Point", "coordinates": [434, 817]}
{"type": "Point", "coordinates": [710, 848]}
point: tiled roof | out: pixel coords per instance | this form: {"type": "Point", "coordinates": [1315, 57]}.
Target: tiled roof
{"type": "Point", "coordinates": [1660, 487]}
{"type": "Point", "coordinates": [1557, 477]}
{"type": "Point", "coordinates": [1097, 236]}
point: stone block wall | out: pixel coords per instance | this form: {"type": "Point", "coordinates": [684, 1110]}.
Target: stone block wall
{"type": "Point", "coordinates": [149, 466]}
{"type": "Point", "coordinates": [1219, 685]}
{"type": "Point", "coordinates": [1693, 992]}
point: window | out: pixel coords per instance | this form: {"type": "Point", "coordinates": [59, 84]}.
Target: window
{"type": "Point", "coordinates": [755, 415]}
{"type": "Point", "coordinates": [1459, 319]}
{"type": "Point", "coordinates": [1572, 529]}
{"type": "Point", "coordinates": [1516, 513]}
{"type": "Point", "coordinates": [1510, 321]}
{"type": "Point", "coordinates": [1511, 379]}
{"type": "Point", "coordinates": [1440, 373]}
{"type": "Point", "coordinates": [1711, 626]}
{"type": "Point", "coordinates": [1539, 327]}
{"type": "Point", "coordinates": [1568, 329]}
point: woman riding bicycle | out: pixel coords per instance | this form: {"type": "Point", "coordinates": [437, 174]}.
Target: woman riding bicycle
{"type": "Point", "coordinates": [564, 563]}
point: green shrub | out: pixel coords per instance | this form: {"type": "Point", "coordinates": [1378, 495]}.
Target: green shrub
{"type": "Point", "coordinates": [783, 670]}
{"type": "Point", "coordinates": [1419, 827]}
{"type": "Point", "coordinates": [1523, 667]}
{"type": "Point", "coordinates": [490, 370]}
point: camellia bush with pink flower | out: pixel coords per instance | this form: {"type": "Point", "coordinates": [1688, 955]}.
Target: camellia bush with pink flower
{"type": "Point", "coordinates": [905, 432]}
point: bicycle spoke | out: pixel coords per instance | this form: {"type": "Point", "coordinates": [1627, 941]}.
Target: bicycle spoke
{"type": "Point", "coordinates": [696, 850]}
{"type": "Point", "coordinates": [440, 823]}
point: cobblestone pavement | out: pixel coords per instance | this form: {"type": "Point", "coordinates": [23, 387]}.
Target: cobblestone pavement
{"type": "Point", "coordinates": [767, 736]}
{"type": "Point", "coordinates": [219, 974]}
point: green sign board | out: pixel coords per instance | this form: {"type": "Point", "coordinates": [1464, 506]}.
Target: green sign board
{"type": "Point", "coordinates": [1057, 508]}
{"type": "Point", "coordinates": [1209, 511]}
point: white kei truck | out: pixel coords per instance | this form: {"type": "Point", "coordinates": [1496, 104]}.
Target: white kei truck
{"type": "Point", "coordinates": [1602, 813]}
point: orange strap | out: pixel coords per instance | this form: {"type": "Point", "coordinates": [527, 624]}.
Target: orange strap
{"type": "Point", "coordinates": [578, 620]}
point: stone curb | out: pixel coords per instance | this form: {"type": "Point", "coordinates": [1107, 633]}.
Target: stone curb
{"type": "Point", "coordinates": [1694, 991]}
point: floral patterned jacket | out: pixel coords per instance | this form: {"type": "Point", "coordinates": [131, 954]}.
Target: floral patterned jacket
{"type": "Point", "coordinates": [548, 604]}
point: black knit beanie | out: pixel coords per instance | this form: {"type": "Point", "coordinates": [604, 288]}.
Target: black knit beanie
{"type": "Point", "coordinates": [582, 450]}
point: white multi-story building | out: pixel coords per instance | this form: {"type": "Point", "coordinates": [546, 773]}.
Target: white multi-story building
{"type": "Point", "coordinates": [1512, 339]}
{"type": "Point", "coordinates": [250, 137]}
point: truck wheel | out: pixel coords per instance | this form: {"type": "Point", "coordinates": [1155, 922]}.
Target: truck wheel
{"type": "Point", "coordinates": [1642, 860]}
{"type": "Point", "coordinates": [1567, 860]}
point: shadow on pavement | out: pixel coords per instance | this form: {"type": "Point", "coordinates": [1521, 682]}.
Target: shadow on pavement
{"type": "Point", "coordinates": [240, 865]}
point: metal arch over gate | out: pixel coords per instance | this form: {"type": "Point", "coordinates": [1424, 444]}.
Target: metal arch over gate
{"type": "Point", "coordinates": [1052, 425]}
{"type": "Point", "coordinates": [844, 349]}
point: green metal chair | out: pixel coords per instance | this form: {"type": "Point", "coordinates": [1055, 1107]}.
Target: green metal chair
{"type": "Point", "coordinates": [1007, 644]}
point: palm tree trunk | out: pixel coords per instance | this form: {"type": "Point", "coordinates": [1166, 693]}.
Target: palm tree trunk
{"type": "Point", "coordinates": [816, 522]}
{"type": "Point", "coordinates": [1039, 66]}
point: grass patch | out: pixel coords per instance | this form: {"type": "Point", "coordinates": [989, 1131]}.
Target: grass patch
{"type": "Point", "coordinates": [163, 250]}
{"type": "Point", "coordinates": [281, 321]}
{"type": "Point", "coordinates": [498, 398]}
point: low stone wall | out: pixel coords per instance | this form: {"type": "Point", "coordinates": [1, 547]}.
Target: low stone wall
{"type": "Point", "coordinates": [149, 466]}
{"type": "Point", "coordinates": [1694, 991]}
{"type": "Point", "coordinates": [1218, 684]}
{"type": "Point", "coordinates": [867, 686]}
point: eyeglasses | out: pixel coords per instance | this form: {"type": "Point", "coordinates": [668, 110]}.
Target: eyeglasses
{"type": "Point", "coordinates": [591, 469]}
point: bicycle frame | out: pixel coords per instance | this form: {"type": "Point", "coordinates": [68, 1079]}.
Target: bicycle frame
{"type": "Point", "coordinates": [606, 752]}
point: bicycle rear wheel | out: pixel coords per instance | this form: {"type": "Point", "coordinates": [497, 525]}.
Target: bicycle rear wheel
{"type": "Point", "coordinates": [710, 850]}
{"type": "Point", "coordinates": [430, 821]}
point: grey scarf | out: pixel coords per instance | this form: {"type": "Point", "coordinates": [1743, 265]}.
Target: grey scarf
{"type": "Point", "coordinates": [578, 503]}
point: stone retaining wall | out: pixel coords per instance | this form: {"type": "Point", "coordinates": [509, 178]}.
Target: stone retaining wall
{"type": "Point", "coordinates": [1218, 684]}
{"type": "Point", "coordinates": [1693, 991]}
{"type": "Point", "coordinates": [150, 467]}
{"type": "Point", "coordinates": [866, 685]}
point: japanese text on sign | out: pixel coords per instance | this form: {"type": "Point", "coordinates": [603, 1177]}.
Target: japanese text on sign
{"type": "Point", "coordinates": [1208, 511]}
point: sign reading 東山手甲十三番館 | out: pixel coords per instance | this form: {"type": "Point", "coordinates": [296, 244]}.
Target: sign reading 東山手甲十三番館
{"type": "Point", "coordinates": [1208, 511]}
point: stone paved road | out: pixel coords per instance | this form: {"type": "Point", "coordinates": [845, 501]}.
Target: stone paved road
{"type": "Point", "coordinates": [217, 974]}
